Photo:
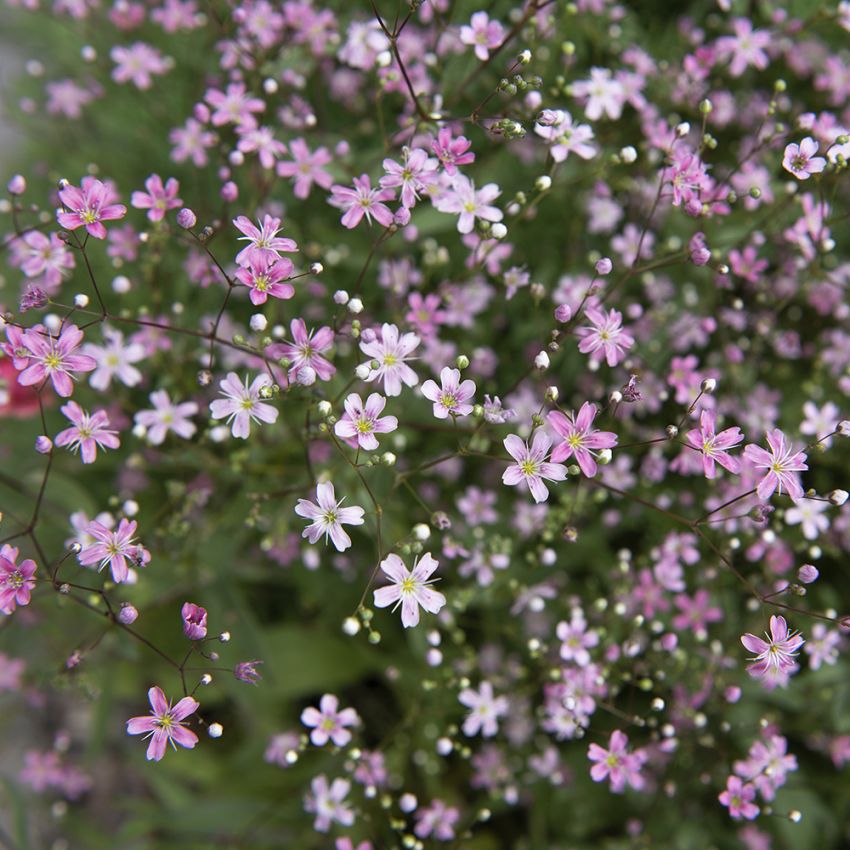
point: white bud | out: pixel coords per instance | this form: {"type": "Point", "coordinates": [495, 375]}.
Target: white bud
{"type": "Point", "coordinates": [525, 57]}
{"type": "Point", "coordinates": [444, 746]}
{"type": "Point", "coordinates": [795, 816]}
{"type": "Point", "coordinates": [838, 497]}
{"type": "Point", "coordinates": [541, 361]}
{"type": "Point", "coordinates": [628, 154]}
{"type": "Point", "coordinates": [130, 507]}
{"type": "Point", "coordinates": [206, 679]}
{"type": "Point", "coordinates": [844, 428]}
{"type": "Point", "coordinates": [363, 371]}
{"type": "Point", "coordinates": [258, 322]}
{"type": "Point", "coordinates": [709, 385]}
{"type": "Point", "coordinates": [325, 408]}
{"type": "Point", "coordinates": [224, 637]}
{"type": "Point", "coordinates": [355, 305]}
{"type": "Point", "coordinates": [408, 802]}
{"type": "Point", "coordinates": [121, 284]}
{"type": "Point", "coordinates": [88, 53]}
{"type": "Point", "coordinates": [388, 459]}
{"type": "Point", "coordinates": [219, 434]}
{"type": "Point", "coordinates": [384, 59]}
{"type": "Point", "coordinates": [279, 332]}
{"type": "Point", "coordinates": [216, 730]}
{"type": "Point", "coordinates": [421, 531]}
{"type": "Point", "coordinates": [683, 129]}
{"type": "Point", "coordinates": [53, 323]}
{"type": "Point", "coordinates": [270, 86]}
{"type": "Point", "coordinates": [236, 158]}
{"type": "Point", "coordinates": [616, 397]}
{"type": "Point", "coordinates": [604, 456]}
{"type": "Point", "coordinates": [139, 431]}
{"type": "Point", "coordinates": [351, 625]}
{"type": "Point", "coordinates": [316, 268]}
{"type": "Point", "coordinates": [498, 231]}
{"type": "Point", "coordinates": [341, 297]}
{"type": "Point", "coordinates": [552, 394]}
{"type": "Point", "coordinates": [543, 183]}
{"type": "Point", "coordinates": [81, 300]}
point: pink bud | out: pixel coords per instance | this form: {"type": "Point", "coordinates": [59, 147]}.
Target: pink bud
{"type": "Point", "coordinates": [230, 191]}
{"type": "Point", "coordinates": [194, 621]}
{"type": "Point", "coordinates": [604, 266]}
{"type": "Point", "coordinates": [186, 218]}
{"type": "Point", "coordinates": [17, 185]}
{"type": "Point", "coordinates": [808, 573]}
{"type": "Point", "coordinates": [43, 445]}
{"type": "Point", "coordinates": [563, 313]}
{"type": "Point", "coordinates": [128, 614]}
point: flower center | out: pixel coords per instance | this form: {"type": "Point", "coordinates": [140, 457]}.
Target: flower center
{"type": "Point", "coordinates": [528, 467]}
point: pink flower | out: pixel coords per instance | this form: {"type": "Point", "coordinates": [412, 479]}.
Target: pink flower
{"type": "Point", "coordinates": [138, 63]}
{"type": "Point", "coordinates": [115, 359]}
{"type": "Point", "coordinates": [775, 655]}
{"type": "Point", "coordinates": [158, 199]}
{"type": "Point", "coordinates": [328, 723]}
{"type": "Point", "coordinates": [117, 549]}
{"type": "Point", "coordinates": [261, 140]}
{"type": "Point", "coordinates": [782, 464]}
{"type": "Point", "coordinates": [451, 151]}
{"type": "Point", "coordinates": [241, 404]}
{"type": "Point", "coordinates": [410, 588]}
{"type": "Point", "coordinates": [362, 200]}
{"type": "Point", "coordinates": [53, 357]}
{"type": "Point", "coordinates": [463, 198]}
{"type": "Point", "coordinates": [415, 174]}
{"type": "Point", "coordinates": [233, 107]}
{"type": "Point", "coordinates": [617, 764]}
{"type": "Point", "coordinates": [262, 240]}
{"type": "Point", "coordinates": [16, 580]}
{"type": "Point", "coordinates": [531, 465]}
{"type": "Point", "coordinates": [580, 438]}
{"type": "Point", "coordinates": [746, 47]}
{"type": "Point", "coordinates": [266, 275]}
{"type": "Point", "coordinates": [390, 352]}
{"type": "Point", "coordinates": [306, 168]}
{"type": "Point", "coordinates": [328, 517]}
{"type": "Point", "coordinates": [44, 257]}
{"type": "Point", "coordinates": [800, 159]}
{"type": "Point", "coordinates": [194, 621]}
{"type": "Point", "coordinates": [360, 422]}
{"type": "Point", "coordinates": [327, 802]}
{"type": "Point", "coordinates": [738, 798]}
{"type": "Point", "coordinates": [437, 820]}
{"type": "Point", "coordinates": [482, 33]}
{"type": "Point", "coordinates": [89, 206]}
{"type": "Point", "coordinates": [164, 725]}
{"type": "Point", "coordinates": [305, 353]}
{"type": "Point", "coordinates": [601, 93]}
{"type": "Point", "coordinates": [167, 416]}
{"type": "Point", "coordinates": [714, 447]}
{"type": "Point", "coordinates": [565, 137]}
{"type": "Point", "coordinates": [606, 334]}
{"type": "Point", "coordinates": [485, 709]}
{"type": "Point", "coordinates": [452, 398]}
{"type": "Point", "coordinates": [88, 433]}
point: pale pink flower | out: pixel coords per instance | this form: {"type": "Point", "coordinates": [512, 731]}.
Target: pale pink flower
{"type": "Point", "coordinates": [416, 173]}
{"type": "Point", "coordinates": [88, 433]}
{"type": "Point", "coordinates": [164, 725]}
{"type": "Point", "coordinates": [410, 588]}
{"type": "Point", "coordinates": [262, 240]}
{"type": "Point", "coordinates": [531, 465]}
{"type": "Point", "coordinates": [483, 34]}
{"type": "Point", "coordinates": [580, 437]}
{"type": "Point", "coordinates": [800, 159]}
{"type": "Point", "coordinates": [391, 352]}
{"type": "Point", "coordinates": [159, 198]}
{"type": "Point", "coordinates": [116, 549]}
{"type": "Point", "coordinates": [327, 517]}
{"type": "Point", "coordinates": [235, 106]}
{"type": "Point", "coordinates": [328, 723]}
{"type": "Point", "coordinates": [327, 802]}
{"type": "Point", "coordinates": [138, 64]}
{"type": "Point", "coordinates": [16, 580]}
{"type": "Point", "coordinates": [565, 137]}
{"type": "Point", "coordinates": [305, 352]}
{"type": "Point", "coordinates": [361, 422]}
{"type": "Point", "coordinates": [261, 140]}
{"type": "Point", "coordinates": [715, 447]}
{"type": "Point", "coordinates": [745, 48]}
{"type": "Point", "coordinates": [776, 654]}
{"type": "Point", "coordinates": [485, 709]}
{"type": "Point", "coordinates": [462, 198]}
{"type": "Point", "coordinates": [53, 357]}
{"type": "Point", "coordinates": [605, 335]}
{"type": "Point", "coordinates": [362, 200]}
{"type": "Point", "coordinates": [782, 464]}
{"type": "Point", "coordinates": [241, 404]}
{"type": "Point", "coordinates": [437, 821]}
{"type": "Point", "coordinates": [167, 416]}
{"type": "Point", "coordinates": [306, 168]}
{"type": "Point", "coordinates": [452, 397]}
{"type": "Point", "coordinates": [115, 359]}
{"type": "Point", "coordinates": [602, 94]}
{"type": "Point", "coordinates": [89, 205]}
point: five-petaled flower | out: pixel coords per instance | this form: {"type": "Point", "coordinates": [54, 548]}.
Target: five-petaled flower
{"type": "Point", "coordinates": [54, 357]}
{"type": "Point", "coordinates": [242, 403]}
{"type": "Point", "coordinates": [452, 397]}
{"type": "Point", "coordinates": [531, 465]}
{"type": "Point", "coordinates": [16, 580]}
{"type": "Point", "coordinates": [485, 709]}
{"type": "Point", "coordinates": [88, 432]}
{"type": "Point", "coordinates": [328, 723]}
{"type": "Point", "coordinates": [738, 798]}
{"type": "Point", "coordinates": [362, 200]}
{"type": "Point", "coordinates": [390, 351]}
{"type": "Point", "coordinates": [89, 205]}
{"type": "Point", "coordinates": [410, 588]}
{"type": "Point", "coordinates": [159, 198]}
{"type": "Point", "coordinates": [580, 437]}
{"type": "Point", "coordinates": [164, 725]}
{"type": "Point", "coordinates": [800, 159]}
{"type": "Point", "coordinates": [360, 422]}
{"type": "Point", "coordinates": [782, 464]}
{"type": "Point", "coordinates": [115, 548]}
{"type": "Point", "coordinates": [605, 334]}
{"type": "Point", "coordinates": [776, 654]}
{"type": "Point", "coordinates": [328, 517]}
{"type": "Point", "coordinates": [715, 447]}
{"type": "Point", "coordinates": [617, 764]}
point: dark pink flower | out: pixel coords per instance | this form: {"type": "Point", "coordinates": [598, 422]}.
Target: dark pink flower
{"type": "Point", "coordinates": [738, 798]}
{"type": "Point", "coordinates": [782, 464]}
{"type": "Point", "coordinates": [361, 422]}
{"type": "Point", "coordinates": [54, 357]}
{"type": "Point", "coordinates": [158, 199]}
{"type": "Point", "coordinates": [266, 275]}
{"type": "Point", "coordinates": [194, 621]}
{"type": "Point", "coordinates": [715, 447]}
{"type": "Point", "coordinates": [580, 437]}
{"type": "Point", "coordinates": [16, 580]}
{"type": "Point", "coordinates": [776, 654]}
{"type": "Point", "coordinates": [164, 725]}
{"type": "Point", "coordinates": [89, 205]}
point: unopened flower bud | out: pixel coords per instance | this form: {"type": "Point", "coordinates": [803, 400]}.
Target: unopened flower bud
{"type": "Point", "coordinates": [604, 266]}
{"type": "Point", "coordinates": [838, 497]}
{"type": "Point", "coordinates": [543, 183]}
{"type": "Point", "coordinates": [17, 185]}
{"type": "Point", "coordinates": [616, 397]}
{"type": "Point", "coordinates": [351, 626]}
{"type": "Point", "coordinates": [216, 730]}
{"type": "Point", "coordinates": [628, 154]}
{"type": "Point", "coordinates": [341, 297]}
{"type": "Point", "coordinates": [462, 361]}
{"type": "Point", "coordinates": [541, 361]}
{"type": "Point", "coordinates": [604, 456]}
{"type": "Point", "coordinates": [325, 408]}
{"type": "Point", "coordinates": [421, 531]}
{"type": "Point", "coordinates": [224, 637]}
{"type": "Point", "coordinates": [808, 573]}
{"type": "Point", "coordinates": [258, 322]}
{"type": "Point", "coordinates": [709, 385]}
{"type": "Point", "coordinates": [316, 268]}
{"type": "Point", "coordinates": [128, 614]}
{"type": "Point", "coordinates": [552, 394]}
{"type": "Point", "coordinates": [43, 444]}
{"type": "Point", "coordinates": [388, 459]}
{"type": "Point", "coordinates": [683, 129]}
{"type": "Point", "coordinates": [498, 231]}
{"type": "Point", "coordinates": [186, 218]}
{"type": "Point", "coordinates": [671, 431]}
{"type": "Point", "coordinates": [563, 313]}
